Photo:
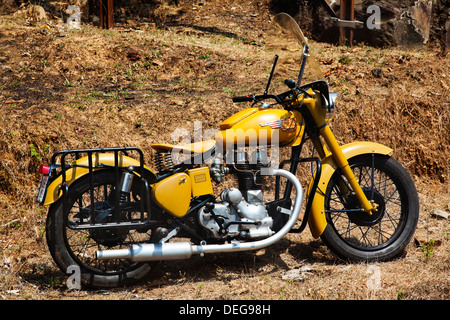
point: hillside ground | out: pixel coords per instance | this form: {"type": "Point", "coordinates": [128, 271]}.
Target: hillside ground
{"type": "Point", "coordinates": [135, 84]}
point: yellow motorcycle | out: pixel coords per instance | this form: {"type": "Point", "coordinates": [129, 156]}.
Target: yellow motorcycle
{"type": "Point", "coordinates": [113, 218]}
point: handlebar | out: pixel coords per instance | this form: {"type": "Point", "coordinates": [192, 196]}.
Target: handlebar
{"type": "Point", "coordinates": [251, 97]}
{"type": "Point", "coordinates": [319, 85]}
{"type": "Point", "coordinates": [242, 99]}
{"type": "Point", "coordinates": [258, 98]}
{"type": "Point", "coordinates": [290, 83]}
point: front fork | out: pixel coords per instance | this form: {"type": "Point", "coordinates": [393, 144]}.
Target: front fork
{"type": "Point", "coordinates": [342, 163]}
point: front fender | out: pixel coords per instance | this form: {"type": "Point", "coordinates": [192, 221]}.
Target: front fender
{"type": "Point", "coordinates": [80, 169]}
{"type": "Point", "coordinates": [316, 220]}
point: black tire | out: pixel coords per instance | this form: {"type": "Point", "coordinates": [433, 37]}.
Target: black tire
{"type": "Point", "coordinates": [384, 235]}
{"type": "Point", "coordinates": [70, 247]}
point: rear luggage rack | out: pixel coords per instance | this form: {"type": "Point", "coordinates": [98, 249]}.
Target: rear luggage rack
{"type": "Point", "coordinates": [117, 221]}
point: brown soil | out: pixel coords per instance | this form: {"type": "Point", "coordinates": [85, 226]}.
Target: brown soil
{"type": "Point", "coordinates": [135, 84]}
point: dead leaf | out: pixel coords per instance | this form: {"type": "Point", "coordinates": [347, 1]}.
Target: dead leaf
{"type": "Point", "coordinates": [14, 101]}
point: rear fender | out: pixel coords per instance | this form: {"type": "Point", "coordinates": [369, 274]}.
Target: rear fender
{"type": "Point", "coordinates": [316, 219]}
{"type": "Point", "coordinates": [80, 169]}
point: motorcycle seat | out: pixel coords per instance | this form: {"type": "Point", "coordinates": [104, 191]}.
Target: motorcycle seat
{"type": "Point", "coordinates": [192, 148]}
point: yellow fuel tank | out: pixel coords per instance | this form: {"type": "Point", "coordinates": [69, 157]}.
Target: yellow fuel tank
{"type": "Point", "coordinates": [257, 127]}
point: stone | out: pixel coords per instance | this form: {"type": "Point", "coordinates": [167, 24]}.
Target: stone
{"type": "Point", "coordinates": [7, 6]}
{"type": "Point", "coordinates": [377, 72]}
{"type": "Point", "coordinates": [32, 12]}
{"type": "Point", "coordinates": [439, 214]}
{"type": "Point", "coordinates": [297, 274]}
{"type": "Point", "coordinates": [209, 63]}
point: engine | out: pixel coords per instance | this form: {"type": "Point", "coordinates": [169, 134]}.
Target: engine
{"type": "Point", "coordinates": [241, 213]}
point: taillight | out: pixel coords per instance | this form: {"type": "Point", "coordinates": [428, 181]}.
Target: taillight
{"type": "Point", "coordinates": [44, 169]}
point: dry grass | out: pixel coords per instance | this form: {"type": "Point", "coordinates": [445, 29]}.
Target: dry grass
{"type": "Point", "coordinates": [79, 89]}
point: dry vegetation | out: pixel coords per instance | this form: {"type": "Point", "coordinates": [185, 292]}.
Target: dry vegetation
{"type": "Point", "coordinates": [133, 85]}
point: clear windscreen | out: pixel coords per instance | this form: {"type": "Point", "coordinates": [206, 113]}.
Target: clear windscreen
{"type": "Point", "coordinates": [287, 40]}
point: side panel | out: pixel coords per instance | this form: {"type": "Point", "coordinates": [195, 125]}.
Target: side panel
{"type": "Point", "coordinates": [54, 192]}
{"type": "Point", "coordinates": [173, 194]}
{"type": "Point", "coordinates": [201, 181]}
{"type": "Point", "coordinates": [316, 220]}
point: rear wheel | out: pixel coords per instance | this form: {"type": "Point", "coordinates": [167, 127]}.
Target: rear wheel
{"type": "Point", "coordinates": [77, 247]}
{"type": "Point", "coordinates": [382, 235]}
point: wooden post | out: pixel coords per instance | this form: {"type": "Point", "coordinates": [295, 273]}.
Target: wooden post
{"type": "Point", "coordinates": [110, 9]}
{"type": "Point", "coordinates": [351, 16]}
{"type": "Point", "coordinates": [347, 13]}
{"type": "Point", "coordinates": [343, 16]}
{"type": "Point", "coordinates": [106, 13]}
{"type": "Point", "coordinates": [100, 12]}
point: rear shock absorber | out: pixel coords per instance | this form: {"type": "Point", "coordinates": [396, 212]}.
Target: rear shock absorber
{"type": "Point", "coordinates": [126, 182]}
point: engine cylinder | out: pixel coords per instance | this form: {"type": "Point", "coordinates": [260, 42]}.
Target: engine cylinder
{"type": "Point", "coordinates": [249, 176]}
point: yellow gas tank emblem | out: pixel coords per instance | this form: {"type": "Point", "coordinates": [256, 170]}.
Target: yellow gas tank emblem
{"type": "Point", "coordinates": [286, 124]}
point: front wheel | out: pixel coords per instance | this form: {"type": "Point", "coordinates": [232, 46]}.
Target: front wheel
{"type": "Point", "coordinates": [384, 234]}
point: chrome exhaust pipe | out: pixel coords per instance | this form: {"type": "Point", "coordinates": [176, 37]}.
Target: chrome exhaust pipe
{"type": "Point", "coordinates": [184, 250]}
{"type": "Point", "coordinates": [149, 252]}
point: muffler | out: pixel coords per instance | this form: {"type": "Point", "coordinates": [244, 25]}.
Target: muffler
{"type": "Point", "coordinates": [149, 252]}
{"type": "Point", "coordinates": [184, 250]}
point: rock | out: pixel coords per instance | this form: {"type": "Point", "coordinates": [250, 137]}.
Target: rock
{"type": "Point", "coordinates": [297, 274]}
{"type": "Point", "coordinates": [420, 15]}
{"type": "Point", "coordinates": [7, 6]}
{"type": "Point", "coordinates": [78, 130]}
{"type": "Point", "coordinates": [416, 75]}
{"type": "Point", "coordinates": [377, 73]}
{"type": "Point", "coordinates": [157, 62]}
{"type": "Point", "coordinates": [133, 55]}
{"type": "Point", "coordinates": [53, 137]}
{"type": "Point", "coordinates": [292, 275]}
{"type": "Point", "coordinates": [439, 214]}
{"type": "Point", "coordinates": [13, 292]}
{"type": "Point", "coordinates": [37, 13]}
{"type": "Point", "coordinates": [359, 89]}
{"type": "Point", "coordinates": [209, 63]}
{"type": "Point", "coordinates": [419, 241]}
{"type": "Point", "coordinates": [33, 13]}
